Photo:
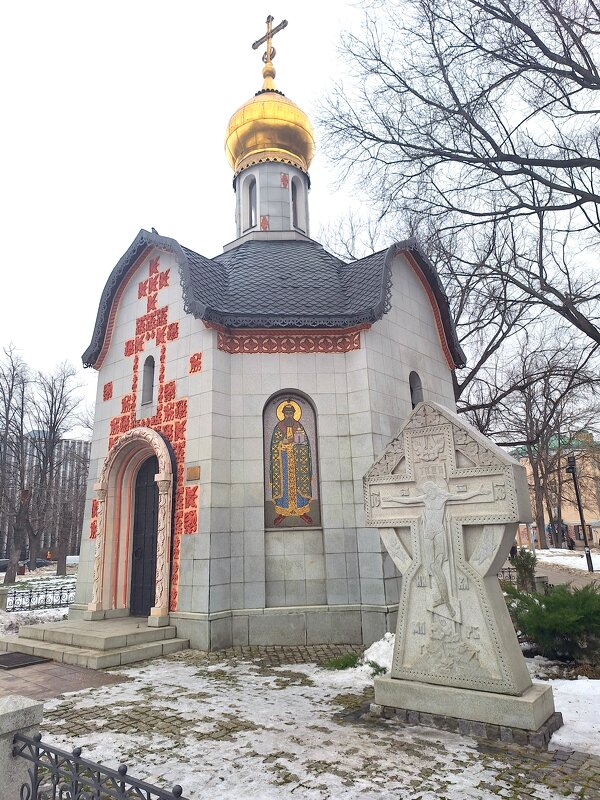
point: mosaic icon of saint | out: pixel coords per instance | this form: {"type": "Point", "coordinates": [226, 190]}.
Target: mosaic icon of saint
{"type": "Point", "coordinates": [290, 465]}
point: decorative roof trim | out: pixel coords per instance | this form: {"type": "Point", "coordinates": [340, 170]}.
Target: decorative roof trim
{"type": "Point", "coordinates": [430, 280]}
{"type": "Point", "coordinates": [255, 341]}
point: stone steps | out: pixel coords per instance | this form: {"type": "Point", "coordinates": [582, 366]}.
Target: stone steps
{"type": "Point", "coordinates": [96, 645]}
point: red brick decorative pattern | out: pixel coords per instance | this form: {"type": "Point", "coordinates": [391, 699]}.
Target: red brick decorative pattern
{"type": "Point", "coordinates": [288, 341]}
{"type": "Point", "coordinates": [264, 222]}
{"type": "Point", "coordinates": [170, 418]}
{"type": "Point", "coordinates": [195, 363]}
{"type": "Point", "coordinates": [284, 180]}
{"type": "Point", "coordinates": [94, 519]}
{"type": "Point", "coordinates": [190, 516]}
{"type": "Point", "coordinates": [107, 391]}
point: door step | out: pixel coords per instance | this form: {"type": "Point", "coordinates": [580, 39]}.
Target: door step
{"type": "Point", "coordinates": [95, 645]}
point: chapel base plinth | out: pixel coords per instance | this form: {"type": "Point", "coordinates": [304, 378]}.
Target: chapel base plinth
{"type": "Point", "coordinates": [528, 711]}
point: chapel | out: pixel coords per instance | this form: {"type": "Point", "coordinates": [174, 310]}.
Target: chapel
{"type": "Point", "coordinates": [241, 399]}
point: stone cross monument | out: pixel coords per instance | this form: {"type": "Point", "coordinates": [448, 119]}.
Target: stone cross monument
{"type": "Point", "coordinates": [447, 502]}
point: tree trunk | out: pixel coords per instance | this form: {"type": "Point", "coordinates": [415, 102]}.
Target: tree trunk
{"type": "Point", "coordinates": [539, 506]}
{"type": "Point", "coordinates": [34, 550]}
{"type": "Point", "coordinates": [10, 575]}
{"type": "Point", "coordinates": [61, 552]}
{"type": "Point", "coordinates": [19, 536]}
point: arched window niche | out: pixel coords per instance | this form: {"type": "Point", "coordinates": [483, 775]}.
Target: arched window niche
{"type": "Point", "coordinates": [250, 213]}
{"type": "Point", "coordinates": [291, 462]}
{"type": "Point", "coordinates": [298, 220]}
{"type": "Point", "coordinates": [148, 381]}
{"type": "Point", "coordinates": [416, 389]}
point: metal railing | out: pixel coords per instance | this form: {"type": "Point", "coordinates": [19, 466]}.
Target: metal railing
{"type": "Point", "coordinates": [55, 774]}
{"type": "Point", "coordinates": [508, 575]}
{"type": "Point", "coordinates": [47, 595]}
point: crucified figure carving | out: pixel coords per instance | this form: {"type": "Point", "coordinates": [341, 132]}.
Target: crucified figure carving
{"type": "Point", "coordinates": [435, 545]}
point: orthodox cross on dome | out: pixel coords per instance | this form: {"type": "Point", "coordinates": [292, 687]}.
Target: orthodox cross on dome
{"type": "Point", "coordinates": [269, 54]}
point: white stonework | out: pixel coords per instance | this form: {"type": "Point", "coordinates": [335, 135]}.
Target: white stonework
{"type": "Point", "coordinates": [339, 584]}
{"type": "Point", "coordinates": [446, 502]}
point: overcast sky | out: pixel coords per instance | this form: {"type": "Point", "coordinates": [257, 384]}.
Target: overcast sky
{"type": "Point", "coordinates": [114, 116]}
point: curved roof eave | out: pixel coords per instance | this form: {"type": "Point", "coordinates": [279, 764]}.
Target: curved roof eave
{"type": "Point", "coordinates": [115, 284]}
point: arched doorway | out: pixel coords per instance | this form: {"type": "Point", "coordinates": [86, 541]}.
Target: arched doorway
{"type": "Point", "coordinates": [145, 524]}
{"type": "Point", "coordinates": [133, 499]}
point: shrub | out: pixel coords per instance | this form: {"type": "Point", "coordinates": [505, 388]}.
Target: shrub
{"type": "Point", "coordinates": [564, 623]}
{"type": "Point", "coordinates": [524, 562]}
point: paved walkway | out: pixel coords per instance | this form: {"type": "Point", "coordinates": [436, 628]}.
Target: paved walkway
{"type": "Point", "coordinates": [267, 723]}
{"type": "Point", "coordinates": [559, 574]}
{"type": "Point", "coordinates": [42, 681]}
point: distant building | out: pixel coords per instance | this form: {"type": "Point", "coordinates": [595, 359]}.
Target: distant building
{"type": "Point", "coordinates": [562, 494]}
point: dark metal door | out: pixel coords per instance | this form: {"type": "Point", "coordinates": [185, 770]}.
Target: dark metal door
{"type": "Point", "coordinates": [145, 523]}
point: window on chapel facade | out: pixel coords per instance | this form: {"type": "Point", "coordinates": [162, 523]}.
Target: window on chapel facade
{"type": "Point", "coordinates": [148, 381]}
{"type": "Point", "coordinates": [416, 389]}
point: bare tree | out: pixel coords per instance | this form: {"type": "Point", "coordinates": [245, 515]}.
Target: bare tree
{"type": "Point", "coordinates": [55, 402]}
{"type": "Point", "coordinates": [559, 385]}
{"type": "Point", "coordinates": [487, 312]}
{"type": "Point", "coordinates": [35, 415]}
{"type": "Point", "coordinates": [483, 113]}
{"type": "Point", "coordinates": [14, 497]}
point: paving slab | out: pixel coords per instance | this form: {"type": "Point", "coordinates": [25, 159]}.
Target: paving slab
{"type": "Point", "coordinates": [43, 681]}
{"type": "Point", "coordinates": [268, 723]}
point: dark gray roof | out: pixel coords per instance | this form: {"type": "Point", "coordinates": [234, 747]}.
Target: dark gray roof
{"type": "Point", "coordinates": [276, 284]}
{"type": "Point", "coordinates": [284, 284]}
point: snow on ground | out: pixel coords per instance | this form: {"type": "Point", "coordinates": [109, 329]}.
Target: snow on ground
{"type": "Point", "coordinates": [571, 559]}
{"type": "Point", "coordinates": [48, 573]}
{"type": "Point", "coordinates": [283, 736]}
{"type": "Point", "coordinates": [11, 621]}
{"type": "Point", "coordinates": [235, 729]}
{"type": "Point", "coordinates": [577, 700]}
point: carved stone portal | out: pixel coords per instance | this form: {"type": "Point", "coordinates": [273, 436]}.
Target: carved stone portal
{"type": "Point", "coordinates": [447, 502]}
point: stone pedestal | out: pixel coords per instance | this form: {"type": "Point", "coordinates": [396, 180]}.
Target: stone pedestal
{"type": "Point", "coordinates": [527, 711]}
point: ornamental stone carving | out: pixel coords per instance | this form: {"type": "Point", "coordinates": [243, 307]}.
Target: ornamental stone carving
{"type": "Point", "coordinates": [446, 502]}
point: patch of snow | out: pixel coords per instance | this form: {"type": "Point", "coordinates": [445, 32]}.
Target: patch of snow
{"type": "Point", "coordinates": [291, 743]}
{"type": "Point", "coordinates": [578, 701]}
{"type": "Point", "coordinates": [572, 559]}
{"type": "Point", "coordinates": [11, 621]}
{"type": "Point", "coordinates": [381, 652]}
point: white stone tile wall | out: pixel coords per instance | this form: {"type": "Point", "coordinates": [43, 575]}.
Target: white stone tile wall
{"type": "Point", "coordinates": [361, 398]}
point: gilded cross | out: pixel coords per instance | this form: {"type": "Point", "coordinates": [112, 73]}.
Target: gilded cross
{"type": "Point", "coordinates": [269, 54]}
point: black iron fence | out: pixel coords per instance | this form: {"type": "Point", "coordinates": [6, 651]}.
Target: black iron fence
{"type": "Point", "coordinates": [47, 595]}
{"type": "Point", "coordinates": [54, 774]}
{"type": "Point", "coordinates": [508, 575]}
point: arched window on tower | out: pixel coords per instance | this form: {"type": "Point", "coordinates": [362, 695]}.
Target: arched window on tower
{"type": "Point", "coordinates": [416, 389]}
{"type": "Point", "coordinates": [297, 206]}
{"type": "Point", "coordinates": [148, 381]}
{"type": "Point", "coordinates": [294, 203]}
{"type": "Point", "coordinates": [251, 207]}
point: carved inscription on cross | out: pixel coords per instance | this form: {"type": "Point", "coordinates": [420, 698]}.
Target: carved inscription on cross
{"type": "Point", "coordinates": [446, 506]}
{"type": "Point", "coordinates": [269, 53]}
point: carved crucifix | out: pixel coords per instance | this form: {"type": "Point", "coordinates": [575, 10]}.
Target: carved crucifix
{"type": "Point", "coordinates": [446, 503]}
{"type": "Point", "coordinates": [436, 545]}
{"type": "Point", "coordinates": [269, 53]}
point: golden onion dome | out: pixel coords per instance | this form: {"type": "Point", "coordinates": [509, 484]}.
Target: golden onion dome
{"type": "Point", "coordinates": [269, 127]}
